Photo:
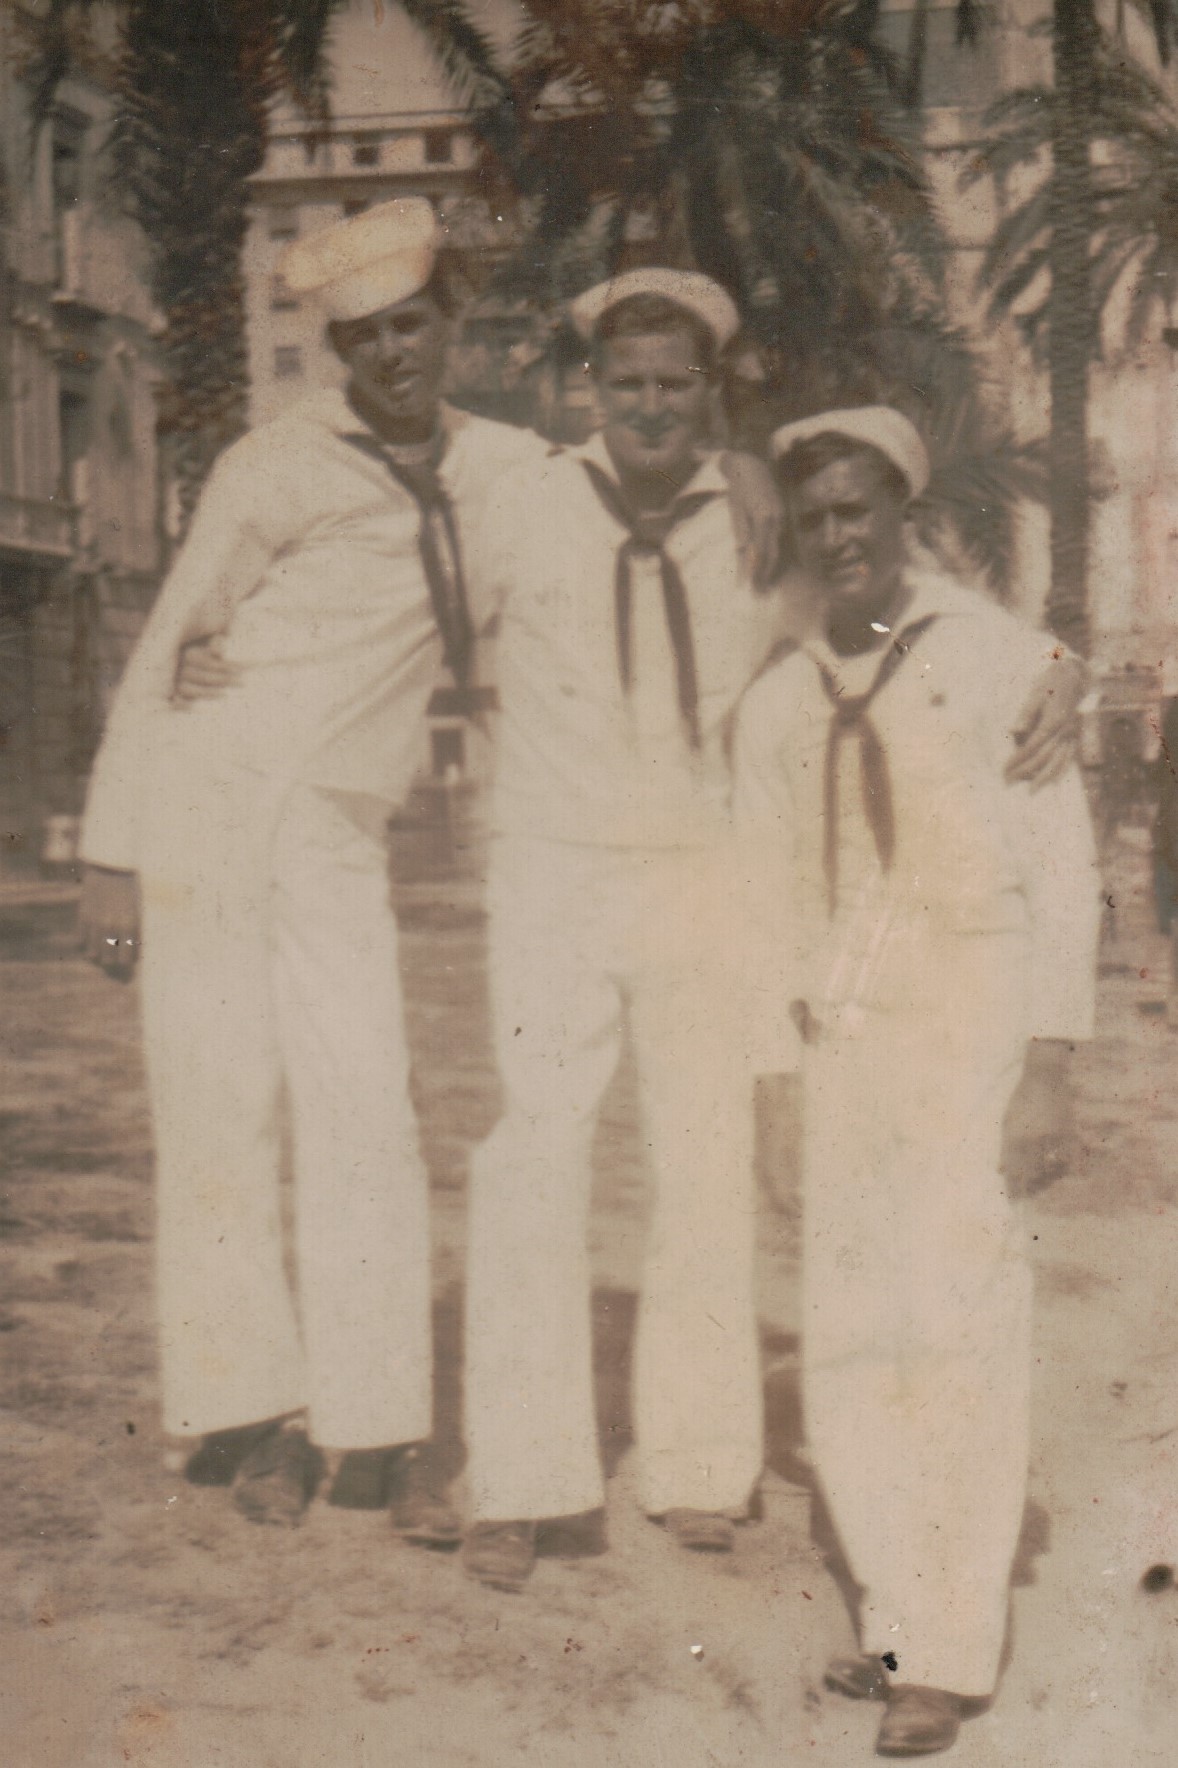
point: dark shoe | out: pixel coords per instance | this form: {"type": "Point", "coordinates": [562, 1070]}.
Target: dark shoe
{"type": "Point", "coordinates": [859, 1678]}
{"type": "Point", "coordinates": [215, 1461]}
{"type": "Point", "coordinates": [582, 1536]}
{"type": "Point", "coordinates": [362, 1480]}
{"type": "Point", "coordinates": [500, 1554]}
{"type": "Point", "coordinates": [918, 1721]}
{"type": "Point", "coordinates": [703, 1531]}
{"type": "Point", "coordinates": [277, 1480]}
{"type": "Point", "coordinates": [419, 1508]}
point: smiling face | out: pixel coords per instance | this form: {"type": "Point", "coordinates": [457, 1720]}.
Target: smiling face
{"type": "Point", "coordinates": [395, 360]}
{"type": "Point", "coordinates": [655, 402]}
{"type": "Point", "coordinates": [848, 530]}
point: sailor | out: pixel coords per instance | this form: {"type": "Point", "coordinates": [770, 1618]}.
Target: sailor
{"type": "Point", "coordinates": [628, 631]}
{"type": "Point", "coordinates": [327, 556]}
{"type": "Point", "coordinates": [938, 923]}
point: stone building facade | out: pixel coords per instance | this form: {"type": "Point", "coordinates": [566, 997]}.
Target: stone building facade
{"type": "Point", "coordinates": [79, 519]}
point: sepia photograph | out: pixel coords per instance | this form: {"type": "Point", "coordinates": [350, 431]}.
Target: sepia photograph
{"type": "Point", "coordinates": [588, 883]}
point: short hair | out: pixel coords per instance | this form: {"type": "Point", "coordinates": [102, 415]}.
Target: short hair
{"type": "Point", "coordinates": [805, 459]}
{"type": "Point", "coordinates": [647, 315]}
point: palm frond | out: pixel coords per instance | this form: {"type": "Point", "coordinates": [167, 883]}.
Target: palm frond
{"type": "Point", "coordinates": [1021, 231]}
{"type": "Point", "coordinates": [1132, 195]}
{"type": "Point", "coordinates": [302, 31]}
{"type": "Point", "coordinates": [1160, 16]}
{"type": "Point", "coordinates": [48, 44]}
{"type": "Point", "coordinates": [972, 498]}
{"type": "Point", "coordinates": [464, 49]}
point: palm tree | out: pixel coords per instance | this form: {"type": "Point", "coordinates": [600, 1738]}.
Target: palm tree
{"type": "Point", "coordinates": [1098, 224]}
{"type": "Point", "coordinates": [1055, 233]}
{"type": "Point", "coordinates": [762, 142]}
{"type": "Point", "coordinates": [767, 142]}
{"type": "Point", "coordinates": [1071, 338]}
{"type": "Point", "coordinates": [193, 81]}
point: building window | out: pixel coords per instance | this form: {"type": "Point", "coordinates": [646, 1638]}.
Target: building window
{"type": "Point", "coordinates": [68, 160]}
{"type": "Point", "coordinates": [288, 362]}
{"type": "Point", "coordinates": [281, 298]}
{"type": "Point", "coordinates": [439, 146]}
{"type": "Point", "coordinates": [366, 150]}
{"type": "Point", "coordinates": [73, 413]}
{"type": "Point", "coordinates": [284, 223]}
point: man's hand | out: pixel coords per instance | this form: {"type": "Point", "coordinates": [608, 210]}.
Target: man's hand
{"type": "Point", "coordinates": [1040, 1123]}
{"type": "Point", "coordinates": [1047, 727]}
{"type": "Point", "coordinates": [756, 515]}
{"type": "Point", "coordinates": [108, 920]}
{"type": "Point", "coordinates": [203, 673]}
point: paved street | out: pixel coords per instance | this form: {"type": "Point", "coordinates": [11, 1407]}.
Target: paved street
{"type": "Point", "coordinates": [142, 1621]}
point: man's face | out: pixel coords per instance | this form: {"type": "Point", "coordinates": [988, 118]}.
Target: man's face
{"type": "Point", "coordinates": [396, 359]}
{"type": "Point", "coordinates": [654, 398]}
{"type": "Point", "coordinates": [848, 526]}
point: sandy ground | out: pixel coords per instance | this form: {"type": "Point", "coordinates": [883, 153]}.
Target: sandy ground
{"type": "Point", "coordinates": [142, 1621]}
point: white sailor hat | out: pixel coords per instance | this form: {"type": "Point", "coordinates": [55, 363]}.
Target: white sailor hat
{"type": "Point", "coordinates": [879, 426]}
{"type": "Point", "coordinates": [369, 262]}
{"type": "Point", "coordinates": [686, 288]}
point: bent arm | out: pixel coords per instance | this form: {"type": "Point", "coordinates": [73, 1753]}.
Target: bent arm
{"type": "Point", "coordinates": [1052, 834]}
{"type": "Point", "coordinates": [221, 561]}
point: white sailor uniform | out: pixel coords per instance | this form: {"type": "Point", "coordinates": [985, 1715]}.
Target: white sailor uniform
{"type": "Point", "coordinates": [256, 822]}
{"type": "Point", "coordinates": [925, 980]}
{"type": "Point", "coordinates": [611, 885]}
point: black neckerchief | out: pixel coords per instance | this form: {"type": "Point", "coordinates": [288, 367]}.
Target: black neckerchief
{"type": "Point", "coordinates": [850, 714]}
{"type": "Point", "coordinates": [647, 532]}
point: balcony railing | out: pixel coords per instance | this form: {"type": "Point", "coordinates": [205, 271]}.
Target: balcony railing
{"type": "Point", "coordinates": [32, 525]}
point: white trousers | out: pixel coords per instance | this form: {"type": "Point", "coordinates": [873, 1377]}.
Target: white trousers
{"type": "Point", "coordinates": [272, 1006]}
{"type": "Point", "coordinates": [916, 1322]}
{"type": "Point", "coordinates": [574, 932]}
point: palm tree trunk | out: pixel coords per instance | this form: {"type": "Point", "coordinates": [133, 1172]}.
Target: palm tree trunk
{"type": "Point", "coordinates": [194, 85]}
{"type": "Point", "coordinates": [1071, 320]}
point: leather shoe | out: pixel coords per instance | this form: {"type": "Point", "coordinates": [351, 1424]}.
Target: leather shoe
{"type": "Point", "coordinates": [859, 1678]}
{"type": "Point", "coordinates": [277, 1480]}
{"type": "Point", "coordinates": [419, 1509]}
{"type": "Point", "coordinates": [500, 1554]}
{"type": "Point", "coordinates": [361, 1480]}
{"type": "Point", "coordinates": [217, 1457]}
{"type": "Point", "coordinates": [918, 1721]}
{"type": "Point", "coordinates": [703, 1531]}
